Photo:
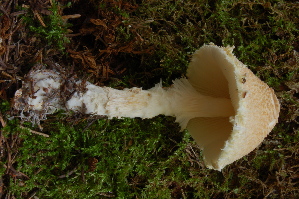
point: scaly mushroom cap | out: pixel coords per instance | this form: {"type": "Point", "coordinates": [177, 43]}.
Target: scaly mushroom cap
{"type": "Point", "coordinates": [216, 72]}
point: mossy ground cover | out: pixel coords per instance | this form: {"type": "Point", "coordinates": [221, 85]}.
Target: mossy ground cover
{"type": "Point", "coordinates": [139, 43]}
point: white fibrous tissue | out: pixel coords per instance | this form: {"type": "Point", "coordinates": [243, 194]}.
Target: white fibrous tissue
{"type": "Point", "coordinates": [39, 95]}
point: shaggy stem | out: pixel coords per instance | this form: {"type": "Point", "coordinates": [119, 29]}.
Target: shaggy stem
{"type": "Point", "coordinates": [181, 100]}
{"type": "Point", "coordinates": [132, 103]}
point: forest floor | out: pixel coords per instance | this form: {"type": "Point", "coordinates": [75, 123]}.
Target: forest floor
{"type": "Point", "coordinates": [129, 43]}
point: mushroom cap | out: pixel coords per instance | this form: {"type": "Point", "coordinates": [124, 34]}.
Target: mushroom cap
{"type": "Point", "coordinates": [216, 72]}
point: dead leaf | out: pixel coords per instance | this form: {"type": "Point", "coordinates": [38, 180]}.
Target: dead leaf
{"type": "Point", "coordinates": [99, 22]}
{"type": "Point", "coordinates": [86, 58]}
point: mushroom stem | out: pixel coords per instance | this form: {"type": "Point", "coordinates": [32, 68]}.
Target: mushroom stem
{"type": "Point", "coordinates": [180, 100]}
{"type": "Point", "coordinates": [133, 102]}
{"type": "Point", "coordinates": [188, 103]}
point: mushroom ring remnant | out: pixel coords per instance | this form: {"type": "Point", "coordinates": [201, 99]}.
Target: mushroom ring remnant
{"type": "Point", "coordinates": [225, 107]}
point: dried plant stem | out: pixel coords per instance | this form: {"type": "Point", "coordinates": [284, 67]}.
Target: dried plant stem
{"type": "Point", "coordinates": [35, 132]}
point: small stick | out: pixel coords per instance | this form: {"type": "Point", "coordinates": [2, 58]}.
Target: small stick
{"type": "Point", "coordinates": [66, 17]}
{"type": "Point", "coordinates": [2, 120]}
{"type": "Point", "coordinates": [68, 174]}
{"type": "Point", "coordinates": [35, 132]}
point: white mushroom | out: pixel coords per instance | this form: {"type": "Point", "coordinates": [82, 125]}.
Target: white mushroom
{"type": "Point", "coordinates": [216, 72]}
{"type": "Point", "coordinates": [225, 107]}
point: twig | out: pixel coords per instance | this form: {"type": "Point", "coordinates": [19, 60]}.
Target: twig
{"type": "Point", "coordinates": [88, 125]}
{"type": "Point", "coordinates": [69, 173]}
{"type": "Point", "coordinates": [4, 11]}
{"type": "Point", "coordinates": [67, 17]}
{"type": "Point", "coordinates": [82, 175]}
{"type": "Point", "coordinates": [107, 194]}
{"type": "Point", "coordinates": [35, 132]}
{"type": "Point", "coordinates": [2, 120]}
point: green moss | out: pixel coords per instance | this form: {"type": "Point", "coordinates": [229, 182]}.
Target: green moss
{"type": "Point", "coordinates": [53, 32]}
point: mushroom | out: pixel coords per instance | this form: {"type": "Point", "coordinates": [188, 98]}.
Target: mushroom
{"type": "Point", "coordinates": [225, 107]}
{"type": "Point", "coordinates": [216, 72]}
